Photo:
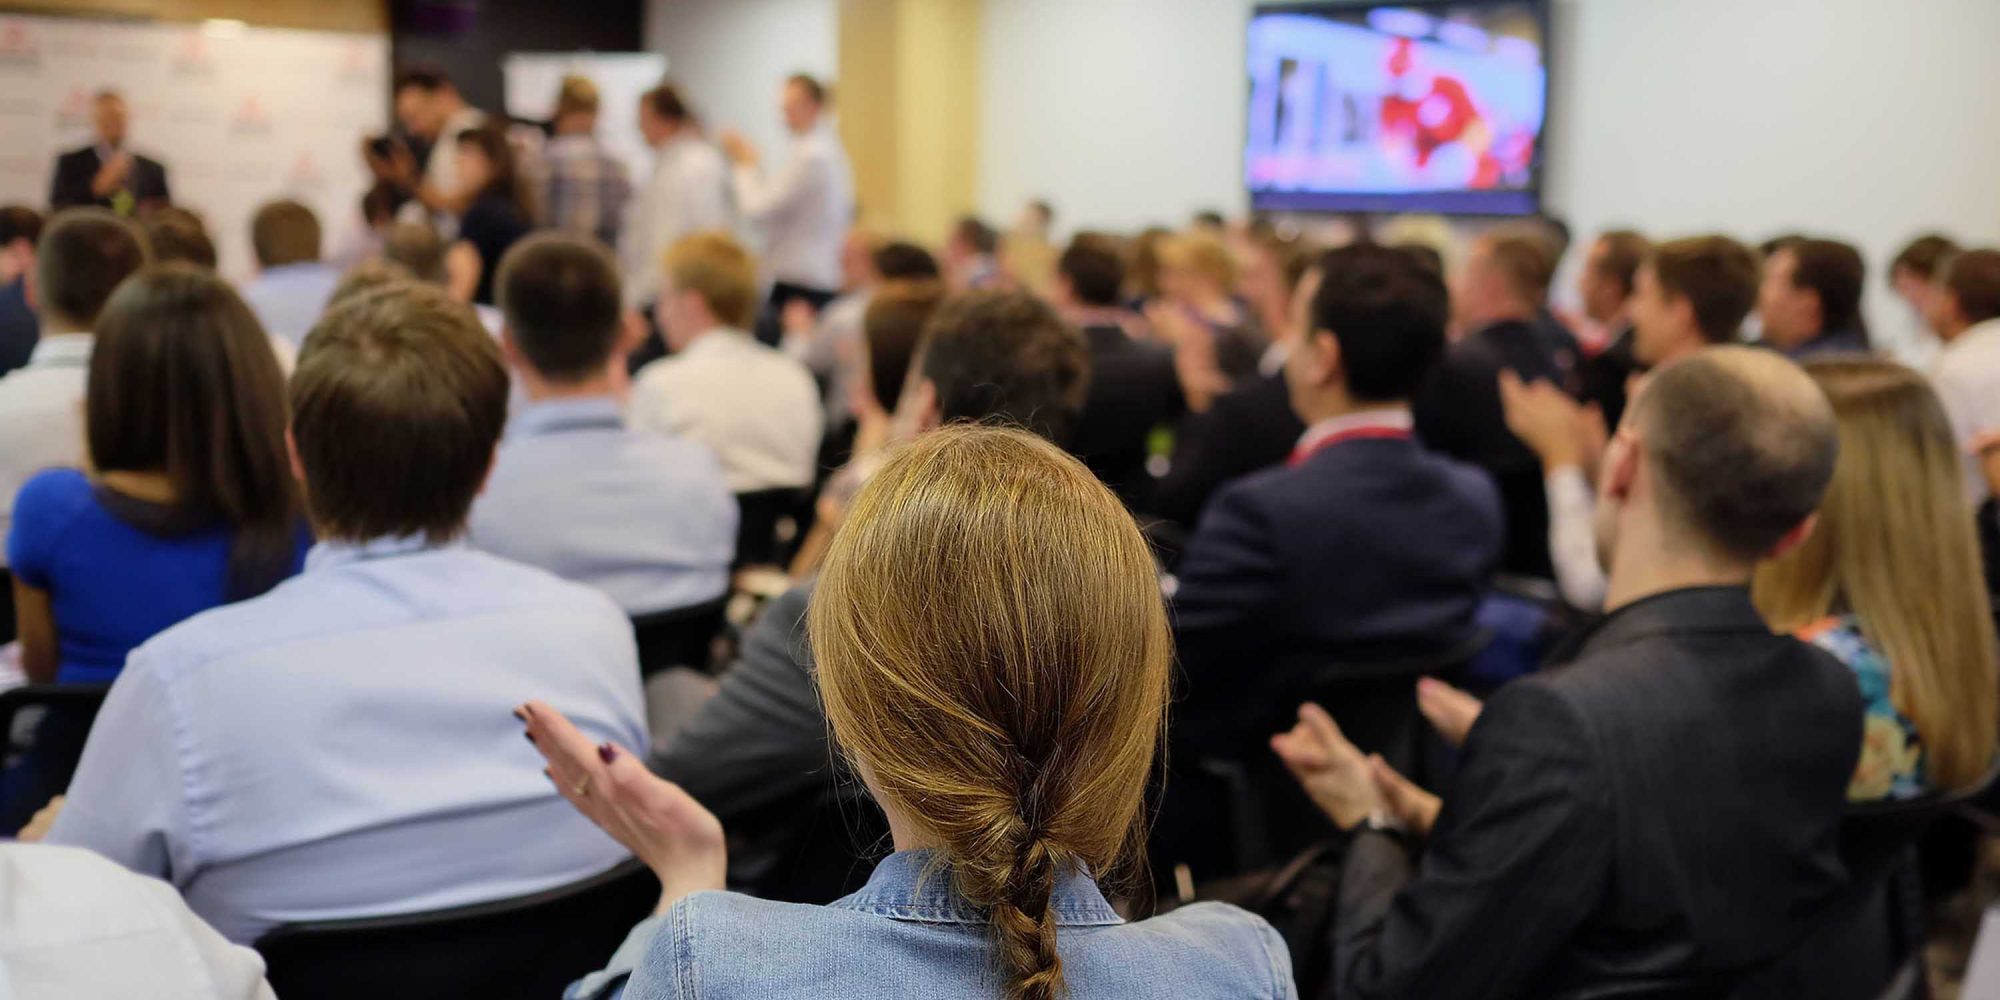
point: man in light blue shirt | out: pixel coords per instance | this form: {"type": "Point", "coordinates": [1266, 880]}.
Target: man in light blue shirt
{"type": "Point", "coordinates": [292, 284]}
{"type": "Point", "coordinates": [340, 747]}
{"type": "Point", "coordinates": [646, 518]}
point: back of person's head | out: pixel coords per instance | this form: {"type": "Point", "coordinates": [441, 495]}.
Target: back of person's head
{"type": "Point", "coordinates": [418, 248]}
{"type": "Point", "coordinates": [1524, 265]}
{"type": "Point", "coordinates": [1834, 272]}
{"type": "Point", "coordinates": [1429, 257]}
{"type": "Point", "coordinates": [716, 267]}
{"type": "Point", "coordinates": [366, 277]}
{"type": "Point", "coordinates": [892, 328]}
{"type": "Point", "coordinates": [560, 296]}
{"type": "Point", "coordinates": [1388, 312]}
{"type": "Point", "coordinates": [379, 204]}
{"type": "Point", "coordinates": [284, 232]}
{"type": "Point", "coordinates": [1142, 262]}
{"type": "Point", "coordinates": [1779, 242]}
{"type": "Point", "coordinates": [83, 255]}
{"type": "Point", "coordinates": [183, 383]}
{"type": "Point", "coordinates": [1716, 275]}
{"type": "Point", "coordinates": [993, 653]}
{"type": "Point", "coordinates": [1624, 250]}
{"type": "Point", "coordinates": [397, 403]}
{"type": "Point", "coordinates": [1971, 282]}
{"type": "Point", "coordinates": [427, 79]}
{"type": "Point", "coordinates": [1208, 219]}
{"type": "Point", "coordinates": [19, 223]}
{"type": "Point", "coordinates": [1006, 356]}
{"type": "Point", "coordinates": [1895, 547]}
{"type": "Point", "coordinates": [975, 235]}
{"type": "Point", "coordinates": [1094, 271]}
{"type": "Point", "coordinates": [1555, 236]}
{"type": "Point", "coordinates": [903, 260]}
{"type": "Point", "coordinates": [1924, 256]}
{"type": "Point", "coordinates": [665, 101]}
{"type": "Point", "coordinates": [1741, 444]}
{"type": "Point", "coordinates": [502, 179]}
{"type": "Point", "coordinates": [178, 235]}
{"type": "Point", "coordinates": [576, 95]}
{"type": "Point", "coordinates": [1198, 254]}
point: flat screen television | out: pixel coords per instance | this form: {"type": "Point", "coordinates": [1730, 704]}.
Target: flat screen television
{"type": "Point", "coordinates": [1428, 106]}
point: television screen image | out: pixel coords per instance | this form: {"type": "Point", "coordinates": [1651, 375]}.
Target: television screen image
{"type": "Point", "coordinates": [1411, 107]}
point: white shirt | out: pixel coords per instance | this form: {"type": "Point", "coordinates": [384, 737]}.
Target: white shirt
{"type": "Point", "coordinates": [1967, 376]}
{"type": "Point", "coordinates": [75, 925]}
{"type": "Point", "coordinates": [41, 416]}
{"type": "Point", "coordinates": [343, 746]}
{"type": "Point", "coordinates": [758, 409]}
{"type": "Point", "coordinates": [688, 193]}
{"type": "Point", "coordinates": [805, 209]}
{"type": "Point", "coordinates": [288, 299]}
{"type": "Point", "coordinates": [1573, 538]}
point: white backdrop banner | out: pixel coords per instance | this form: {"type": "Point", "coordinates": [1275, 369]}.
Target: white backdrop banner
{"type": "Point", "coordinates": [238, 115]}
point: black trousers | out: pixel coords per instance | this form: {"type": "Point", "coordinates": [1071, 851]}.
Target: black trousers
{"type": "Point", "coordinates": [771, 324]}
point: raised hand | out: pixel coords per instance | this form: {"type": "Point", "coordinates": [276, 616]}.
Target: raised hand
{"type": "Point", "coordinates": [1333, 772]}
{"type": "Point", "coordinates": [1450, 710]}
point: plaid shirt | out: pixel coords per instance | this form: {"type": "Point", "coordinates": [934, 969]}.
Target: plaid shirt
{"type": "Point", "coordinates": [584, 189]}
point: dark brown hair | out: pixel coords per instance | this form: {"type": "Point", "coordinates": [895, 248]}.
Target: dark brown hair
{"type": "Point", "coordinates": [177, 234]}
{"type": "Point", "coordinates": [1972, 279]}
{"type": "Point", "coordinates": [813, 88]}
{"type": "Point", "coordinates": [1094, 270]}
{"type": "Point", "coordinates": [366, 277]}
{"type": "Point", "coordinates": [560, 295]}
{"type": "Point", "coordinates": [284, 232]}
{"type": "Point", "coordinates": [1007, 357]}
{"type": "Point", "coordinates": [1524, 264]}
{"type": "Point", "coordinates": [1624, 251]}
{"type": "Point", "coordinates": [1387, 311]}
{"type": "Point", "coordinates": [19, 222]}
{"type": "Point", "coordinates": [507, 183]}
{"type": "Point", "coordinates": [665, 100]}
{"type": "Point", "coordinates": [397, 403]}
{"type": "Point", "coordinates": [893, 327]}
{"type": "Point", "coordinates": [418, 248]}
{"type": "Point", "coordinates": [83, 255]}
{"type": "Point", "coordinates": [1718, 277]}
{"type": "Point", "coordinates": [183, 383]}
{"type": "Point", "coordinates": [1834, 272]}
{"type": "Point", "coordinates": [1924, 256]}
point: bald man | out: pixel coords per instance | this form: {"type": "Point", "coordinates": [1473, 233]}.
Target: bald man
{"type": "Point", "coordinates": [1658, 813]}
{"type": "Point", "coordinates": [106, 173]}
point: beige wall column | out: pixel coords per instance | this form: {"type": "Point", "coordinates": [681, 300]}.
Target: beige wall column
{"type": "Point", "coordinates": [909, 111]}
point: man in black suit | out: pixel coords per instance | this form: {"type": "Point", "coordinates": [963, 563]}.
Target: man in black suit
{"type": "Point", "coordinates": [1659, 815]}
{"type": "Point", "coordinates": [1365, 547]}
{"type": "Point", "coordinates": [1605, 285]}
{"type": "Point", "coordinates": [1496, 299]}
{"type": "Point", "coordinates": [1133, 386]}
{"type": "Point", "coordinates": [105, 173]}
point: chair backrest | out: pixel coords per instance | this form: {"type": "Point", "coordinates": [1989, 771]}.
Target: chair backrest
{"type": "Point", "coordinates": [39, 755]}
{"type": "Point", "coordinates": [681, 637]}
{"type": "Point", "coordinates": [531, 947]}
{"type": "Point", "coordinates": [8, 631]}
{"type": "Point", "coordinates": [757, 531]}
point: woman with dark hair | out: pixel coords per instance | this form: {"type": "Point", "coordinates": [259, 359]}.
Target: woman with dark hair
{"type": "Point", "coordinates": [189, 501]}
{"type": "Point", "coordinates": [498, 207]}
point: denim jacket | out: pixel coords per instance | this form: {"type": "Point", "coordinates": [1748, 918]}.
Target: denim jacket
{"type": "Point", "coordinates": [907, 934]}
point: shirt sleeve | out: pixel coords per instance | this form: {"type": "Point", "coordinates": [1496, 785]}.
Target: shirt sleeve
{"type": "Point", "coordinates": [764, 198]}
{"type": "Point", "coordinates": [1573, 538]}
{"type": "Point", "coordinates": [128, 801]}
{"type": "Point", "coordinates": [232, 971]}
{"type": "Point", "coordinates": [38, 522]}
{"type": "Point", "coordinates": [1230, 577]}
{"type": "Point", "coordinates": [608, 983]}
{"type": "Point", "coordinates": [707, 198]}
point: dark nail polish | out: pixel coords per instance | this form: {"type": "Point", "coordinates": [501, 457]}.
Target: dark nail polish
{"type": "Point", "coordinates": [530, 737]}
{"type": "Point", "coordinates": [521, 714]}
{"type": "Point", "coordinates": [607, 753]}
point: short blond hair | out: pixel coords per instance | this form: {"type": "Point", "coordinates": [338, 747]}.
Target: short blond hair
{"type": "Point", "coordinates": [577, 96]}
{"type": "Point", "coordinates": [1201, 254]}
{"type": "Point", "coordinates": [716, 267]}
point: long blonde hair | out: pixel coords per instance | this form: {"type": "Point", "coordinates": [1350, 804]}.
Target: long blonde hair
{"type": "Point", "coordinates": [993, 654]}
{"type": "Point", "coordinates": [1895, 547]}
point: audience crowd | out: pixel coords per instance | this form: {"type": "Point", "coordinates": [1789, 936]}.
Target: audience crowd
{"type": "Point", "coordinates": [1191, 613]}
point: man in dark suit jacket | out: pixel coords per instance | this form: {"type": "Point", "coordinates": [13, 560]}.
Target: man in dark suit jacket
{"type": "Point", "coordinates": [1133, 386]}
{"type": "Point", "coordinates": [1658, 816]}
{"type": "Point", "coordinates": [1497, 298]}
{"type": "Point", "coordinates": [106, 174]}
{"type": "Point", "coordinates": [1364, 547]}
{"type": "Point", "coordinates": [1248, 428]}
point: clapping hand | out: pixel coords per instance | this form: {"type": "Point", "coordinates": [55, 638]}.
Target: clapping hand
{"type": "Point", "coordinates": [1451, 711]}
{"type": "Point", "coordinates": [111, 175]}
{"type": "Point", "coordinates": [1334, 773]}
{"type": "Point", "coordinates": [1545, 419]}
{"type": "Point", "coordinates": [737, 148]}
{"type": "Point", "coordinates": [655, 819]}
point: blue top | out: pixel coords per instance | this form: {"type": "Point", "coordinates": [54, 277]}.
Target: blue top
{"type": "Point", "coordinates": [111, 585]}
{"type": "Point", "coordinates": [343, 746]}
{"type": "Point", "coordinates": [289, 299]}
{"type": "Point", "coordinates": [646, 518]}
{"type": "Point", "coordinates": [1892, 752]}
{"type": "Point", "coordinates": [908, 927]}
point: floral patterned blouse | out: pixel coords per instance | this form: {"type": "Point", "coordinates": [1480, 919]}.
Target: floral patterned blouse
{"type": "Point", "coordinates": [1892, 754]}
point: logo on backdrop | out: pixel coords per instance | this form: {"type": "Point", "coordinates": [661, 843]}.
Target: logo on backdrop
{"type": "Point", "coordinates": [250, 118]}
{"type": "Point", "coordinates": [305, 172]}
{"type": "Point", "coordinates": [192, 56]}
{"type": "Point", "coordinates": [17, 45]}
{"type": "Point", "coordinates": [355, 66]}
{"type": "Point", "coordinates": [74, 111]}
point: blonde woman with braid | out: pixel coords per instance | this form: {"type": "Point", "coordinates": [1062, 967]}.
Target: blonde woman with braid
{"type": "Point", "coordinates": [993, 657]}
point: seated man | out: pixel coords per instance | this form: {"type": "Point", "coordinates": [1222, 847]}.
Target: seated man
{"type": "Point", "coordinates": [1133, 387]}
{"type": "Point", "coordinates": [330, 749]}
{"type": "Point", "coordinates": [292, 283]}
{"type": "Point", "coordinates": [1809, 303]}
{"type": "Point", "coordinates": [1365, 547]}
{"type": "Point", "coordinates": [758, 409]}
{"type": "Point", "coordinates": [645, 518]}
{"type": "Point", "coordinates": [756, 754]}
{"type": "Point", "coordinates": [1659, 814]}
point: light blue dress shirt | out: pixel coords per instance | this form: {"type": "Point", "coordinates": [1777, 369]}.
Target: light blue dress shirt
{"type": "Point", "coordinates": [645, 518]}
{"type": "Point", "coordinates": [343, 746]}
{"type": "Point", "coordinates": [908, 934]}
{"type": "Point", "coordinates": [288, 299]}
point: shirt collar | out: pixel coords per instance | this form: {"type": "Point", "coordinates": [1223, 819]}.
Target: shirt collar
{"type": "Point", "coordinates": [1976, 333]}
{"type": "Point", "coordinates": [718, 338]}
{"type": "Point", "coordinates": [1386, 418]}
{"type": "Point", "coordinates": [62, 350]}
{"type": "Point", "coordinates": [1721, 608]}
{"type": "Point", "coordinates": [332, 554]}
{"type": "Point", "coordinates": [916, 886]}
{"type": "Point", "coordinates": [554, 416]}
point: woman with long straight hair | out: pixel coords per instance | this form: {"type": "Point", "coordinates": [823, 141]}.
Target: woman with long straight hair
{"type": "Point", "coordinates": [499, 208]}
{"type": "Point", "coordinates": [993, 656]}
{"type": "Point", "coordinates": [1890, 584]}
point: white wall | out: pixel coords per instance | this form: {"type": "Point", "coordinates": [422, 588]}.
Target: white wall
{"type": "Point", "coordinates": [730, 56]}
{"type": "Point", "coordinates": [1860, 119]}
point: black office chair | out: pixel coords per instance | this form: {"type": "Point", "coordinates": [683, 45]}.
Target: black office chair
{"type": "Point", "coordinates": [9, 631]}
{"type": "Point", "coordinates": [530, 948]}
{"type": "Point", "coordinates": [681, 637]}
{"type": "Point", "coordinates": [42, 732]}
{"type": "Point", "coordinates": [771, 523]}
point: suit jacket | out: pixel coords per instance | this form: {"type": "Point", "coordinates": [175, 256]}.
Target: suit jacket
{"type": "Point", "coordinates": [1369, 550]}
{"type": "Point", "coordinates": [1133, 389]}
{"type": "Point", "coordinates": [1603, 377]}
{"type": "Point", "coordinates": [1459, 413]}
{"type": "Point", "coordinates": [20, 328]}
{"type": "Point", "coordinates": [76, 169]}
{"type": "Point", "coordinates": [1656, 818]}
{"type": "Point", "coordinates": [1248, 428]}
